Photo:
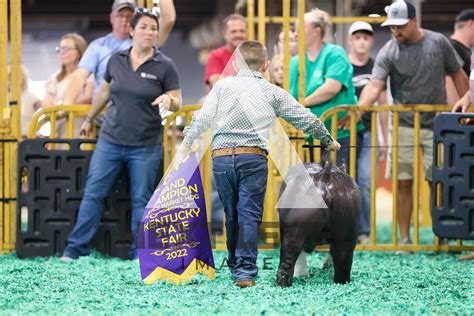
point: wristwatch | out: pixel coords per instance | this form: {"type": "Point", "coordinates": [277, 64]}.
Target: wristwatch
{"type": "Point", "coordinates": [89, 119]}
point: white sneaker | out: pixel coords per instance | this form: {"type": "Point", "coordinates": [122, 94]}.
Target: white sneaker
{"type": "Point", "coordinates": [66, 259]}
{"type": "Point", "coordinates": [301, 266]}
{"type": "Point", "coordinates": [404, 252]}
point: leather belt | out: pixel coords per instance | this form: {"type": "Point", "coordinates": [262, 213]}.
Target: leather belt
{"type": "Point", "coordinates": [238, 151]}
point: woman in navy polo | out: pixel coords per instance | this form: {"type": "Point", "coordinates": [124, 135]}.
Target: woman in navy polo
{"type": "Point", "coordinates": [139, 83]}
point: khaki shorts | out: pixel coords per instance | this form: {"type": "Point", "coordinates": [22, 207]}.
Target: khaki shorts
{"type": "Point", "coordinates": [406, 153]}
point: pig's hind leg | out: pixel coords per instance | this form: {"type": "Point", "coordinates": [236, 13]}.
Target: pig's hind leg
{"type": "Point", "coordinates": [292, 239]}
{"type": "Point", "coordinates": [342, 254]}
{"type": "Point", "coordinates": [343, 243]}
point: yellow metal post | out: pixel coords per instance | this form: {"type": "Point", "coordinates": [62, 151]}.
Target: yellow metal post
{"type": "Point", "coordinates": [286, 46]}
{"type": "Point", "coordinates": [70, 125]}
{"type": "Point", "coordinates": [395, 178]}
{"type": "Point", "coordinates": [334, 129]}
{"type": "Point", "coordinates": [269, 214]}
{"type": "Point", "coordinates": [261, 21]}
{"type": "Point", "coordinates": [373, 179]}
{"type": "Point", "coordinates": [207, 181]}
{"type": "Point", "coordinates": [352, 142]}
{"type": "Point", "coordinates": [15, 38]}
{"type": "Point", "coordinates": [250, 19]}
{"type": "Point", "coordinates": [3, 58]}
{"type": "Point", "coordinates": [13, 115]}
{"type": "Point", "coordinates": [3, 103]}
{"type": "Point", "coordinates": [301, 47]}
{"type": "Point", "coordinates": [416, 179]}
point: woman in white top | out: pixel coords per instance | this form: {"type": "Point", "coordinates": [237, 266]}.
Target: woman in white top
{"type": "Point", "coordinates": [70, 50]}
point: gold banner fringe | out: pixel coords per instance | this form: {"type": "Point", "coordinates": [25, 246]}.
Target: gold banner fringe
{"type": "Point", "coordinates": [196, 266]}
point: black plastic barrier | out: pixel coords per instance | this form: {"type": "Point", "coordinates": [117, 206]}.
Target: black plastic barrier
{"type": "Point", "coordinates": [453, 180]}
{"type": "Point", "coordinates": [50, 188]}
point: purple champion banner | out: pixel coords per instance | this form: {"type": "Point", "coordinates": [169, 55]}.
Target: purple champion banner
{"type": "Point", "coordinates": [173, 238]}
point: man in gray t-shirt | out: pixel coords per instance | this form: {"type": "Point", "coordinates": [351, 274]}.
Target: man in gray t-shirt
{"type": "Point", "coordinates": [417, 61]}
{"type": "Point", "coordinates": [417, 72]}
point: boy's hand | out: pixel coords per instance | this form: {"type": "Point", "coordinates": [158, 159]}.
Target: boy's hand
{"type": "Point", "coordinates": [335, 146]}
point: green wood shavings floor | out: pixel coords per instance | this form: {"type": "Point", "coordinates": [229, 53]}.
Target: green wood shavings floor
{"type": "Point", "coordinates": [382, 283]}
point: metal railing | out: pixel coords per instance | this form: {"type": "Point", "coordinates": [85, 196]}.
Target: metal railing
{"type": "Point", "coordinates": [52, 114]}
{"type": "Point", "coordinates": [178, 120]}
{"type": "Point", "coordinates": [395, 109]}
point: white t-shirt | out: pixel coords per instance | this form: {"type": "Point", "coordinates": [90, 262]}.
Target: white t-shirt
{"type": "Point", "coordinates": [58, 90]}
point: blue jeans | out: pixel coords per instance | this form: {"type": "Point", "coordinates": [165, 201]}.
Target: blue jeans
{"type": "Point", "coordinates": [364, 171]}
{"type": "Point", "coordinates": [105, 167]}
{"type": "Point", "coordinates": [241, 181]}
{"type": "Point", "coordinates": [217, 211]}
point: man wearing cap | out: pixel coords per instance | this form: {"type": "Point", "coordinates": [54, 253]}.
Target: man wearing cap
{"type": "Point", "coordinates": [462, 41]}
{"type": "Point", "coordinates": [97, 54]}
{"type": "Point", "coordinates": [416, 60]}
{"type": "Point", "coordinates": [234, 31]}
{"type": "Point", "coordinates": [361, 40]}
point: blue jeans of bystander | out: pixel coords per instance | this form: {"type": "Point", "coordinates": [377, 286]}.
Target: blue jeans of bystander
{"type": "Point", "coordinates": [106, 164]}
{"type": "Point", "coordinates": [364, 171]}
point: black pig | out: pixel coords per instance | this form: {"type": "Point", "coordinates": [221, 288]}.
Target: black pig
{"type": "Point", "coordinates": [304, 226]}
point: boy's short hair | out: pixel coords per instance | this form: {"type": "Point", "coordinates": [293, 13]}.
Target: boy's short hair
{"type": "Point", "coordinates": [254, 55]}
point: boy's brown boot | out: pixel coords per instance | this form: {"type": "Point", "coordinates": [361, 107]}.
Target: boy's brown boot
{"type": "Point", "coordinates": [245, 283]}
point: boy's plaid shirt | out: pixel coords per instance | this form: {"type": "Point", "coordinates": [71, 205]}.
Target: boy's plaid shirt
{"type": "Point", "coordinates": [241, 109]}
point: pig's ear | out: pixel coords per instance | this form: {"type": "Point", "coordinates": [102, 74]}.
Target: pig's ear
{"type": "Point", "coordinates": [343, 167]}
{"type": "Point", "coordinates": [327, 165]}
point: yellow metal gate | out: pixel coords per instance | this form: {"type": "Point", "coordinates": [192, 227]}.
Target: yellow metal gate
{"type": "Point", "coordinates": [10, 26]}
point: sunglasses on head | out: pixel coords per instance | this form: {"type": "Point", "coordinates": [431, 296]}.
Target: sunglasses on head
{"type": "Point", "coordinates": [155, 11]}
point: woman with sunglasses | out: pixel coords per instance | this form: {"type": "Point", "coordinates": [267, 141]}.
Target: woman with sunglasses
{"type": "Point", "coordinates": [70, 50]}
{"type": "Point", "coordinates": [140, 83]}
